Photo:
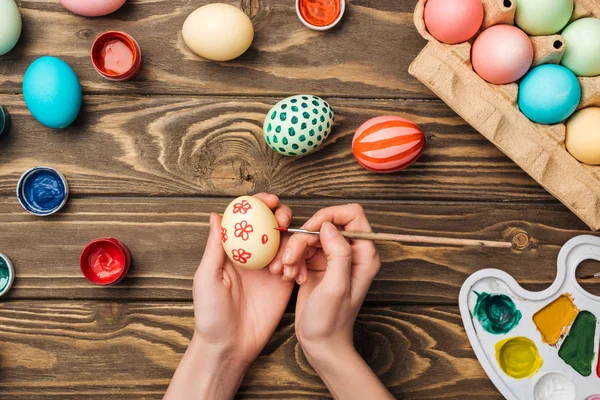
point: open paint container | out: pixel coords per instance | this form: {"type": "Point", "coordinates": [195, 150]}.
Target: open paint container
{"type": "Point", "coordinates": [7, 274]}
{"type": "Point", "coordinates": [116, 56]}
{"type": "Point", "coordinates": [4, 121]}
{"type": "Point", "coordinates": [320, 15]}
{"type": "Point", "coordinates": [537, 345]}
{"type": "Point", "coordinates": [105, 261]}
{"type": "Point", "coordinates": [42, 191]}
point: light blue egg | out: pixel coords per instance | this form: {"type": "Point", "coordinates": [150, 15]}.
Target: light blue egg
{"type": "Point", "coordinates": [52, 92]}
{"type": "Point", "coordinates": [549, 94]}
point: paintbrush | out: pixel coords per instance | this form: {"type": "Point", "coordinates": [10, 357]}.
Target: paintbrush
{"type": "Point", "coordinates": [588, 277]}
{"type": "Point", "coordinates": [387, 237]}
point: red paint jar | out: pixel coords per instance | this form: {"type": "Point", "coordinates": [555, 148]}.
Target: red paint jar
{"type": "Point", "coordinates": [105, 261]}
{"type": "Point", "coordinates": [116, 56]}
{"type": "Point", "coordinates": [320, 14]}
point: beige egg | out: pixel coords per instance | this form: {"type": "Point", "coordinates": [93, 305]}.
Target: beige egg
{"type": "Point", "coordinates": [218, 32]}
{"type": "Point", "coordinates": [583, 136]}
{"type": "Point", "coordinates": [248, 233]}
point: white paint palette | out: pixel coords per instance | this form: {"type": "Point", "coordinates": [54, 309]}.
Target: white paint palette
{"type": "Point", "coordinates": [555, 379]}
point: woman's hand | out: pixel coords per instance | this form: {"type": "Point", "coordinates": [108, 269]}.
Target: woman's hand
{"type": "Point", "coordinates": [236, 312]}
{"type": "Point", "coordinates": [335, 276]}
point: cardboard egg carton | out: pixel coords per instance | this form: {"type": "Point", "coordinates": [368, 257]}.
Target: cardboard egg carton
{"type": "Point", "coordinates": [493, 111]}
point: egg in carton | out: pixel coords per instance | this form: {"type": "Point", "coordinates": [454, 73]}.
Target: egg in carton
{"type": "Point", "coordinates": [494, 112]}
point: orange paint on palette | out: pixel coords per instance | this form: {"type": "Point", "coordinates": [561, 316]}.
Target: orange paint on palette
{"type": "Point", "coordinates": [320, 13]}
{"type": "Point", "coordinates": [116, 56]}
{"type": "Point", "coordinates": [554, 320]}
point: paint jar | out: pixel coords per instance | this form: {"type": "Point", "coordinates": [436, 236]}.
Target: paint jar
{"type": "Point", "coordinates": [7, 274]}
{"type": "Point", "coordinates": [320, 15]}
{"type": "Point", "coordinates": [105, 261]}
{"type": "Point", "coordinates": [116, 56]}
{"type": "Point", "coordinates": [4, 121]}
{"type": "Point", "coordinates": [42, 191]}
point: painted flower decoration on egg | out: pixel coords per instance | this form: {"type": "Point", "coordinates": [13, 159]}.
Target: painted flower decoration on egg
{"type": "Point", "coordinates": [248, 233]}
{"type": "Point", "coordinates": [298, 125]}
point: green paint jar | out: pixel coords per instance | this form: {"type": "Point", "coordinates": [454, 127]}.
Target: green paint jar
{"type": "Point", "coordinates": [7, 274]}
{"type": "Point", "coordinates": [4, 121]}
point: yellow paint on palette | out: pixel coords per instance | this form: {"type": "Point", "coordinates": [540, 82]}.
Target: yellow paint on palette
{"type": "Point", "coordinates": [554, 320]}
{"type": "Point", "coordinates": [518, 357]}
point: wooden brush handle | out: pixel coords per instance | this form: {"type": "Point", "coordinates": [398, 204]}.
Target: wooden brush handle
{"type": "Point", "coordinates": [424, 239]}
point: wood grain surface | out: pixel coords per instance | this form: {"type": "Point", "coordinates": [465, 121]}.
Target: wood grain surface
{"type": "Point", "coordinates": [184, 146]}
{"type": "Point", "coordinates": [367, 56]}
{"type": "Point", "coordinates": [167, 236]}
{"type": "Point", "coordinates": [85, 350]}
{"type": "Point", "coordinates": [148, 160]}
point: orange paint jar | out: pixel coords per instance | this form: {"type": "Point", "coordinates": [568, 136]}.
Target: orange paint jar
{"type": "Point", "coordinates": [320, 14]}
{"type": "Point", "coordinates": [116, 56]}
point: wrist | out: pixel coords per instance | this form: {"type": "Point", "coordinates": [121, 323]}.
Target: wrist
{"type": "Point", "coordinates": [206, 372]}
{"type": "Point", "coordinates": [326, 356]}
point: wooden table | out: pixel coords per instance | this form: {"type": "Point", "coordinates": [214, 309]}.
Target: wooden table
{"type": "Point", "coordinates": [149, 159]}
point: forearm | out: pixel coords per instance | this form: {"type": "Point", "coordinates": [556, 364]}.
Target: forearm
{"type": "Point", "coordinates": [205, 374]}
{"type": "Point", "coordinates": [348, 376]}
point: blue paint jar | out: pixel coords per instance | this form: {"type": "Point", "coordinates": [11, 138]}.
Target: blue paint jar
{"type": "Point", "coordinates": [7, 274]}
{"type": "Point", "coordinates": [42, 191]}
{"type": "Point", "coordinates": [4, 121]}
{"type": "Point", "coordinates": [549, 94]}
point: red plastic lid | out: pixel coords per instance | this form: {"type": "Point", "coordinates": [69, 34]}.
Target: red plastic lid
{"type": "Point", "coordinates": [116, 56]}
{"type": "Point", "coordinates": [105, 261]}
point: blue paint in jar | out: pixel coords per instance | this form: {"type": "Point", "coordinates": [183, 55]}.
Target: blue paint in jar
{"type": "Point", "coordinates": [42, 191]}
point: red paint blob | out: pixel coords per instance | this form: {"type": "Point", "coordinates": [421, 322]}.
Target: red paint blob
{"type": "Point", "coordinates": [105, 261]}
{"type": "Point", "coordinates": [116, 56]}
{"type": "Point", "coordinates": [320, 12]}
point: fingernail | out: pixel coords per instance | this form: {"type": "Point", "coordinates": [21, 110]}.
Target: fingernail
{"type": "Point", "coordinates": [287, 256]}
{"type": "Point", "coordinates": [302, 278]}
{"type": "Point", "coordinates": [287, 272]}
{"type": "Point", "coordinates": [329, 230]}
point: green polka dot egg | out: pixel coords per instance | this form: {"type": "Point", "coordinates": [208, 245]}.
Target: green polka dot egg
{"type": "Point", "coordinates": [298, 125]}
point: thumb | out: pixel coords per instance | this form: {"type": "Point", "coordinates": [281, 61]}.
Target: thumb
{"type": "Point", "coordinates": [339, 260]}
{"type": "Point", "coordinates": [214, 257]}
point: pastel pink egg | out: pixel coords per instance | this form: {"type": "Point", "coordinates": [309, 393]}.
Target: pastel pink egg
{"type": "Point", "coordinates": [92, 8]}
{"type": "Point", "coordinates": [388, 144]}
{"type": "Point", "coordinates": [453, 21]}
{"type": "Point", "coordinates": [502, 54]}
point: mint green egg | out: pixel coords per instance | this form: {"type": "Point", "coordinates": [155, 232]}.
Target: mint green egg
{"type": "Point", "coordinates": [10, 25]}
{"type": "Point", "coordinates": [298, 125]}
{"type": "Point", "coordinates": [543, 17]}
{"type": "Point", "coordinates": [582, 55]}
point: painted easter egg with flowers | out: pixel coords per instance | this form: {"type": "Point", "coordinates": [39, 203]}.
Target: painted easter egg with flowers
{"type": "Point", "coordinates": [248, 233]}
{"type": "Point", "coordinates": [298, 125]}
{"type": "Point", "coordinates": [388, 144]}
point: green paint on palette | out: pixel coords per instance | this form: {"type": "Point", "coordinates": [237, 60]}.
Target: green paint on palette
{"type": "Point", "coordinates": [497, 313]}
{"type": "Point", "coordinates": [578, 348]}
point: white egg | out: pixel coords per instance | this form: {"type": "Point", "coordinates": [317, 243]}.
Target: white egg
{"type": "Point", "coordinates": [248, 233]}
{"type": "Point", "coordinates": [218, 32]}
{"type": "Point", "coordinates": [10, 25]}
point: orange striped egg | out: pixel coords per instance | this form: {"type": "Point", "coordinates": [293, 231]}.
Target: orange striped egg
{"type": "Point", "coordinates": [388, 144]}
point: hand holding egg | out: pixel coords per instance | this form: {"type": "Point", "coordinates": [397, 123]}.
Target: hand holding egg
{"type": "Point", "coordinates": [248, 230]}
